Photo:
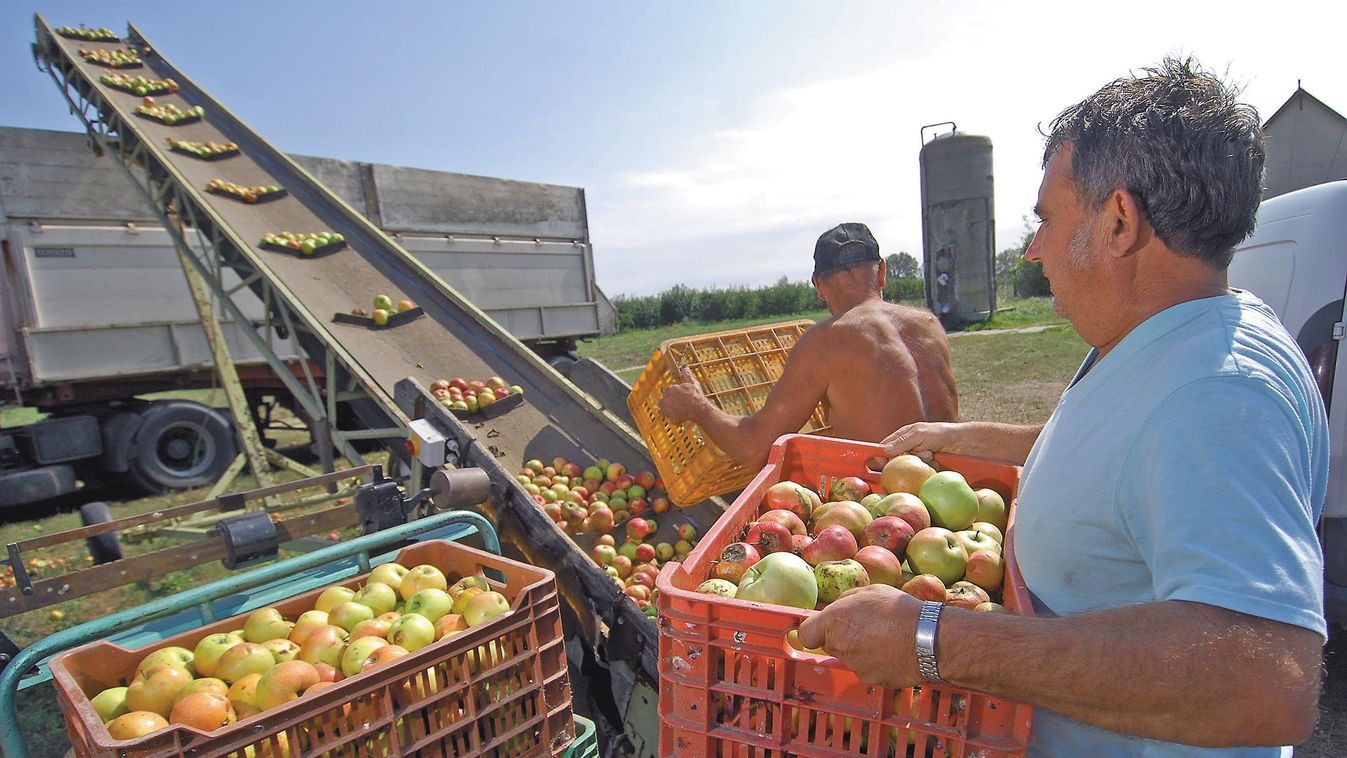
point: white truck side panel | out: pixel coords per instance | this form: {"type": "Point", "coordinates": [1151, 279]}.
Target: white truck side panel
{"type": "Point", "coordinates": [1296, 262]}
{"type": "Point", "coordinates": [98, 301]}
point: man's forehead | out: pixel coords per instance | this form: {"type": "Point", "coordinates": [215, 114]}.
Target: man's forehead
{"type": "Point", "coordinates": [1057, 181]}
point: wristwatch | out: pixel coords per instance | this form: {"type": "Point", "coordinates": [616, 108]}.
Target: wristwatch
{"type": "Point", "coordinates": [927, 621]}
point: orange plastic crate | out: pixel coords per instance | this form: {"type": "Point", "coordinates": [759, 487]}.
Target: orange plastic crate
{"type": "Point", "coordinates": [730, 684]}
{"type": "Point", "coordinates": [736, 370]}
{"type": "Point", "coordinates": [437, 701]}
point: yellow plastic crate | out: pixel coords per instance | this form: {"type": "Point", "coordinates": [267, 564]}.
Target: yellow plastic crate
{"type": "Point", "coordinates": [736, 370]}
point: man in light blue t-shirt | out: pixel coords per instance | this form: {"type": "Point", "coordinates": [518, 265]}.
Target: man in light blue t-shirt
{"type": "Point", "coordinates": [1166, 519]}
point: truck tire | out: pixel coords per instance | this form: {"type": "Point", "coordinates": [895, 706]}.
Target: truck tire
{"type": "Point", "coordinates": [180, 445]}
{"type": "Point", "coordinates": [103, 547]}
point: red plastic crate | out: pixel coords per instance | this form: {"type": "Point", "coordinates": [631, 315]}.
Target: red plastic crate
{"type": "Point", "coordinates": [730, 684]}
{"type": "Point", "coordinates": [436, 701]}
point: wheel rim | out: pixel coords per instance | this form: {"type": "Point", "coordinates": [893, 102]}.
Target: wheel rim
{"type": "Point", "coordinates": [184, 450]}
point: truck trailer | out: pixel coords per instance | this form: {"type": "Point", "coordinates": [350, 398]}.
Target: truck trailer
{"type": "Point", "coordinates": [95, 311]}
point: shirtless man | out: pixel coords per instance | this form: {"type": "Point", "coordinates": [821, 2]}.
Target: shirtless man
{"type": "Point", "coordinates": [877, 363]}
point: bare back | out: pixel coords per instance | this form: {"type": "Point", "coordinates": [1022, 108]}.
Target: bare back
{"type": "Point", "coordinates": [888, 366]}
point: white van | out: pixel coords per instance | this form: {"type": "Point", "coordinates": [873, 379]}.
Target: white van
{"type": "Point", "coordinates": [1296, 262]}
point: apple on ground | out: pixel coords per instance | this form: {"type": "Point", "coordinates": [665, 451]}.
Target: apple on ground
{"type": "Point", "coordinates": [782, 579]}
{"type": "Point", "coordinates": [836, 577]}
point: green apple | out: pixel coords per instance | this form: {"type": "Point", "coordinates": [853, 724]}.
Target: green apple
{"type": "Point", "coordinates": [110, 703]}
{"type": "Point", "coordinates": [952, 503]}
{"type": "Point", "coordinates": [266, 624]}
{"type": "Point", "coordinates": [388, 573]}
{"type": "Point", "coordinates": [484, 607]}
{"type": "Point", "coordinates": [243, 659]}
{"type": "Point", "coordinates": [420, 578]}
{"type": "Point", "coordinates": [210, 648]}
{"type": "Point", "coordinates": [411, 631]}
{"type": "Point", "coordinates": [780, 578]}
{"type": "Point", "coordinates": [174, 655]}
{"type": "Point", "coordinates": [282, 650]}
{"type": "Point", "coordinates": [358, 652]}
{"type": "Point", "coordinates": [380, 597]}
{"type": "Point", "coordinates": [992, 508]}
{"type": "Point", "coordinates": [347, 615]}
{"type": "Point", "coordinates": [333, 597]}
{"type": "Point", "coordinates": [431, 603]}
{"type": "Point", "coordinates": [937, 551]}
{"type": "Point", "coordinates": [383, 302]}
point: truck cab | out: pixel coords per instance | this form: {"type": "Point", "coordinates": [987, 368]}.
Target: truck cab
{"type": "Point", "coordinates": [1296, 262]}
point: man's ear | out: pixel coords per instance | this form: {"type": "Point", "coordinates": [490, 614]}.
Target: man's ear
{"type": "Point", "coordinates": [882, 275]}
{"type": "Point", "coordinates": [1127, 229]}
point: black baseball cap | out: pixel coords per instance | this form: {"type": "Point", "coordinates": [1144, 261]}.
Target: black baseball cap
{"type": "Point", "coordinates": [844, 245]}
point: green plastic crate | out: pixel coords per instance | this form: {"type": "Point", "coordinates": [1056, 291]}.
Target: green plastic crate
{"type": "Point", "coordinates": [586, 743]}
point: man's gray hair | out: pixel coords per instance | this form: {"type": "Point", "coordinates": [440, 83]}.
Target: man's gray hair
{"type": "Point", "coordinates": [1181, 143]}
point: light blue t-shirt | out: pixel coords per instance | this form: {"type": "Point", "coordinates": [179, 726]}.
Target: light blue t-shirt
{"type": "Point", "coordinates": [1190, 463]}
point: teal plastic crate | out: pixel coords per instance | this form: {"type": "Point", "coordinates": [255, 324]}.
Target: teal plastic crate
{"type": "Point", "coordinates": [586, 743]}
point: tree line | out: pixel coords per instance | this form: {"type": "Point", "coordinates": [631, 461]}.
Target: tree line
{"type": "Point", "coordinates": [784, 298]}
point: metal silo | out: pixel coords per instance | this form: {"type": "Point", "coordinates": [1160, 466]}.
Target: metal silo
{"type": "Point", "coordinates": [957, 223]}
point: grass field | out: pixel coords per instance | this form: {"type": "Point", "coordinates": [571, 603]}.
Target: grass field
{"type": "Point", "coordinates": [1004, 376]}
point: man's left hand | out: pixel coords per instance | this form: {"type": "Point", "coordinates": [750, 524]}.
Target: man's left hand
{"type": "Point", "coordinates": [872, 631]}
{"type": "Point", "coordinates": [680, 400]}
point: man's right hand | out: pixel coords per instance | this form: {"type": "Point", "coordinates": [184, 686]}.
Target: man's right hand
{"type": "Point", "coordinates": [680, 401]}
{"type": "Point", "coordinates": [922, 439]}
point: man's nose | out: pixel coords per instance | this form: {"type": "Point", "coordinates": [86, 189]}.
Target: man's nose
{"type": "Point", "coordinates": [1031, 251]}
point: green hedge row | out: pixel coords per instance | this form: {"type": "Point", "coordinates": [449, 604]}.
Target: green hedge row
{"type": "Point", "coordinates": [785, 298]}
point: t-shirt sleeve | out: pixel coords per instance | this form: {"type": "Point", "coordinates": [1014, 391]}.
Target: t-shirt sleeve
{"type": "Point", "coordinates": [1216, 496]}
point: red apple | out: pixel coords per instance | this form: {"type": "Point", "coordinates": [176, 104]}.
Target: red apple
{"type": "Point", "coordinates": [889, 532]}
{"type": "Point", "coordinates": [785, 518]}
{"type": "Point", "coordinates": [986, 569]}
{"type": "Point", "coordinates": [881, 565]}
{"type": "Point", "coordinates": [646, 480]}
{"type": "Point", "coordinates": [734, 561]}
{"type": "Point", "coordinates": [645, 552]}
{"type": "Point", "coordinates": [849, 488]}
{"type": "Point", "coordinates": [925, 587]}
{"type": "Point", "coordinates": [905, 473]}
{"type": "Point", "coordinates": [769, 537]}
{"type": "Point", "coordinates": [847, 513]}
{"type": "Point", "coordinates": [638, 529]}
{"type": "Point", "coordinates": [793, 497]}
{"type": "Point", "coordinates": [833, 543]}
{"type": "Point", "coordinates": [909, 508]}
{"type": "Point", "coordinates": [798, 542]}
{"type": "Point", "coordinates": [966, 595]}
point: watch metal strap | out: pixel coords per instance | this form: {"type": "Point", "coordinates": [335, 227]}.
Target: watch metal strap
{"type": "Point", "coordinates": [927, 621]}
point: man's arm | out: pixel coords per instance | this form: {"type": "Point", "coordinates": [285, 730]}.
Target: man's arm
{"type": "Point", "coordinates": [985, 439]}
{"type": "Point", "coordinates": [1172, 670]}
{"type": "Point", "coordinates": [747, 439]}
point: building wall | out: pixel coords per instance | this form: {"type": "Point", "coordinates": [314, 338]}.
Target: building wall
{"type": "Point", "coordinates": [1306, 145]}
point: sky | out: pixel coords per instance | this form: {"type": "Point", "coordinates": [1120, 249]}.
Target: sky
{"type": "Point", "coordinates": [715, 141]}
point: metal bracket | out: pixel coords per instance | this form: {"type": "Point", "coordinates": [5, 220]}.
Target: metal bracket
{"type": "Point", "coordinates": [248, 539]}
{"type": "Point", "coordinates": [1339, 330]}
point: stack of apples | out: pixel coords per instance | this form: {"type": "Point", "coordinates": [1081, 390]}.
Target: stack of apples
{"type": "Point", "coordinates": [594, 499]}
{"type": "Point", "coordinates": [924, 531]}
{"type": "Point", "coordinates": [460, 394]}
{"type": "Point", "coordinates": [202, 149]}
{"type": "Point", "coordinates": [273, 660]}
{"type": "Point", "coordinates": [139, 85]}
{"type": "Point", "coordinates": [112, 58]}
{"type": "Point", "coordinates": [307, 243]}
{"type": "Point", "coordinates": [169, 114]}
{"type": "Point", "coordinates": [85, 33]}
{"type": "Point", "coordinates": [246, 194]}
{"type": "Point", "coordinates": [635, 563]}
{"type": "Point", "coordinates": [384, 308]}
